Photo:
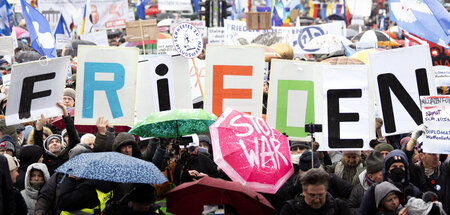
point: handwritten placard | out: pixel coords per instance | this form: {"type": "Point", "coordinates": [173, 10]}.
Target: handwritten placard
{"type": "Point", "coordinates": [436, 115]}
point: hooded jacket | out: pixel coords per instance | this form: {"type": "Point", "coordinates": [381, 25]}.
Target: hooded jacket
{"type": "Point", "coordinates": [123, 139]}
{"type": "Point", "coordinates": [7, 203]}
{"type": "Point", "coordinates": [30, 194]}
{"type": "Point", "coordinates": [368, 205]}
{"type": "Point", "coordinates": [28, 155]}
{"type": "Point", "coordinates": [358, 191]}
{"type": "Point", "coordinates": [383, 189]}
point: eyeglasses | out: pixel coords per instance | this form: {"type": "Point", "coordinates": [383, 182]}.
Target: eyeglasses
{"type": "Point", "coordinates": [316, 195]}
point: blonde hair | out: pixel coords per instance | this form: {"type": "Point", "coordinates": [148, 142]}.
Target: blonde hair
{"type": "Point", "coordinates": [30, 139]}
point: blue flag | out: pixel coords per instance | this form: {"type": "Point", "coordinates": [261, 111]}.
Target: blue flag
{"type": "Point", "coordinates": [348, 51]}
{"type": "Point", "coordinates": [62, 28]}
{"type": "Point", "coordinates": [140, 8]}
{"type": "Point", "coordinates": [382, 24]}
{"type": "Point", "coordinates": [41, 36]}
{"type": "Point", "coordinates": [5, 13]}
{"type": "Point", "coordinates": [278, 14]}
{"type": "Point", "coordinates": [426, 19]}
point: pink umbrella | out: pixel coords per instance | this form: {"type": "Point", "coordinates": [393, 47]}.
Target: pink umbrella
{"type": "Point", "coordinates": [249, 151]}
{"type": "Point", "coordinates": [19, 31]}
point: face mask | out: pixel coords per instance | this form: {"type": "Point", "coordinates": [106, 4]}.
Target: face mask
{"type": "Point", "coordinates": [37, 184]}
{"type": "Point", "coordinates": [295, 158]}
{"type": "Point", "coordinates": [397, 175]}
{"type": "Point", "coordinates": [202, 150]}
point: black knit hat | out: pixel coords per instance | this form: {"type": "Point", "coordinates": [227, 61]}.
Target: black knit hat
{"type": "Point", "coordinates": [374, 162]}
{"type": "Point", "coordinates": [305, 161]}
{"type": "Point", "coordinates": [303, 144]}
{"type": "Point", "coordinates": [142, 193]}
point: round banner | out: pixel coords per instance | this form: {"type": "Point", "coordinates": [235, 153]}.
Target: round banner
{"type": "Point", "coordinates": [187, 40]}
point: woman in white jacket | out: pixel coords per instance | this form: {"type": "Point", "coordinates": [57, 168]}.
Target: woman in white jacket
{"type": "Point", "coordinates": [35, 178]}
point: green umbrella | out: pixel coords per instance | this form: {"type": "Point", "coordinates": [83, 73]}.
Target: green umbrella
{"type": "Point", "coordinates": [174, 123]}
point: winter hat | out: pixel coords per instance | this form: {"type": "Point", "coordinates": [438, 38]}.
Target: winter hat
{"type": "Point", "coordinates": [142, 193]}
{"type": "Point", "coordinates": [384, 147]}
{"type": "Point", "coordinates": [8, 146]}
{"type": "Point", "coordinates": [303, 144]}
{"type": "Point", "coordinates": [404, 141]}
{"type": "Point", "coordinates": [13, 163]}
{"type": "Point", "coordinates": [79, 149]}
{"type": "Point", "coordinates": [30, 154]}
{"type": "Point", "coordinates": [383, 189]}
{"type": "Point", "coordinates": [374, 162]}
{"type": "Point", "coordinates": [123, 139]}
{"type": "Point", "coordinates": [69, 92]}
{"type": "Point", "coordinates": [27, 132]}
{"type": "Point", "coordinates": [305, 161]}
{"type": "Point", "coordinates": [204, 138]}
{"type": "Point", "coordinates": [393, 159]}
{"type": "Point", "coordinates": [416, 206]}
{"type": "Point", "coordinates": [54, 136]}
{"type": "Point", "coordinates": [351, 153]}
{"type": "Point", "coordinates": [20, 127]}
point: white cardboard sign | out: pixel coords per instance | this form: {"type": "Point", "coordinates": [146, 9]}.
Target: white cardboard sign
{"type": "Point", "coordinates": [436, 115]}
{"type": "Point", "coordinates": [106, 85]}
{"type": "Point", "coordinates": [401, 76]}
{"type": "Point", "coordinates": [6, 46]}
{"type": "Point", "coordinates": [234, 78]}
{"type": "Point", "coordinates": [162, 85]}
{"type": "Point", "coordinates": [35, 89]}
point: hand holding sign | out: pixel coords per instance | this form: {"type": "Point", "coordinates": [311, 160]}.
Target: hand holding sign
{"type": "Point", "coordinates": [421, 129]}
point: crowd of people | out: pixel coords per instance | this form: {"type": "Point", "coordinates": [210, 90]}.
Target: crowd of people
{"type": "Point", "coordinates": [393, 178]}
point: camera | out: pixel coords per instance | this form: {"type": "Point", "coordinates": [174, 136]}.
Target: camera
{"type": "Point", "coordinates": [313, 128]}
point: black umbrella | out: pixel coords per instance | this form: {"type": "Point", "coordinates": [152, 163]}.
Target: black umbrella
{"type": "Point", "coordinates": [26, 56]}
{"type": "Point", "coordinates": [76, 43]}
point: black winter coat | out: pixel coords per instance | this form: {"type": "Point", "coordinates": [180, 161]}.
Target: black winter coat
{"type": "Point", "coordinates": [7, 203]}
{"type": "Point", "coordinates": [331, 206]}
{"type": "Point", "coordinates": [48, 196]}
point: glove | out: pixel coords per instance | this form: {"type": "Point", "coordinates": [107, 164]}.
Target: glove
{"type": "Point", "coordinates": [421, 129]}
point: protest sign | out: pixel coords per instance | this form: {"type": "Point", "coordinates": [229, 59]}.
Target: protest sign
{"type": "Point", "coordinates": [349, 119]}
{"type": "Point", "coordinates": [216, 35]}
{"type": "Point", "coordinates": [360, 8]}
{"type": "Point", "coordinates": [162, 85]}
{"type": "Point", "coordinates": [187, 40]}
{"type": "Point", "coordinates": [175, 5]}
{"type": "Point", "coordinates": [106, 85]}
{"type": "Point", "coordinates": [99, 15]}
{"type": "Point", "coordinates": [295, 97]}
{"type": "Point", "coordinates": [303, 35]}
{"type": "Point", "coordinates": [401, 77]}
{"type": "Point", "coordinates": [199, 24]}
{"type": "Point", "coordinates": [6, 46]}
{"type": "Point", "coordinates": [237, 34]}
{"type": "Point", "coordinates": [165, 46]}
{"type": "Point", "coordinates": [234, 79]}
{"type": "Point", "coordinates": [195, 88]}
{"type": "Point", "coordinates": [99, 37]}
{"type": "Point", "coordinates": [436, 115]}
{"type": "Point", "coordinates": [35, 89]}
{"type": "Point", "coordinates": [442, 79]}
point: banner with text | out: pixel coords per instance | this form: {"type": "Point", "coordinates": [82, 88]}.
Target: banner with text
{"type": "Point", "coordinates": [436, 115]}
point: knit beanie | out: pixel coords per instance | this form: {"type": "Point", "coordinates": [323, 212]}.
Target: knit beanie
{"type": "Point", "coordinates": [204, 138]}
{"type": "Point", "coordinates": [374, 162]}
{"type": "Point", "coordinates": [8, 146]}
{"type": "Point", "coordinates": [13, 163]}
{"type": "Point", "coordinates": [54, 136]}
{"type": "Point", "coordinates": [30, 154]}
{"type": "Point", "coordinates": [384, 147]}
{"type": "Point", "coordinates": [69, 92]}
{"type": "Point", "coordinates": [142, 193]}
{"type": "Point", "coordinates": [305, 161]}
{"type": "Point", "coordinates": [394, 159]}
{"type": "Point", "coordinates": [303, 144]}
{"type": "Point", "coordinates": [123, 139]}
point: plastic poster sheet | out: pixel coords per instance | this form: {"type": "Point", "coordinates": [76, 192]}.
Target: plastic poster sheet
{"type": "Point", "coordinates": [349, 110]}
{"type": "Point", "coordinates": [35, 88]}
{"type": "Point", "coordinates": [234, 79]}
{"type": "Point", "coordinates": [436, 115]}
{"type": "Point", "coordinates": [400, 77]}
{"type": "Point", "coordinates": [100, 14]}
{"type": "Point", "coordinates": [106, 85]}
{"type": "Point", "coordinates": [6, 46]}
{"type": "Point", "coordinates": [295, 97]}
{"type": "Point", "coordinates": [162, 84]}
{"type": "Point", "coordinates": [195, 87]}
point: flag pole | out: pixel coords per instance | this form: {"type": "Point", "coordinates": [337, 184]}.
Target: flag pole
{"type": "Point", "coordinates": [198, 79]}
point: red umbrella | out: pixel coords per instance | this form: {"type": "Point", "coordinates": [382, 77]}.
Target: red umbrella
{"type": "Point", "coordinates": [251, 152]}
{"type": "Point", "coordinates": [189, 198]}
{"type": "Point", "coordinates": [19, 31]}
{"type": "Point", "coordinates": [59, 122]}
